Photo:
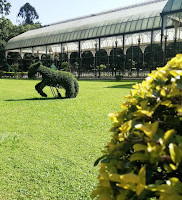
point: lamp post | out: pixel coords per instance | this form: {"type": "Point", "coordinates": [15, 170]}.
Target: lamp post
{"type": "Point", "coordinates": [95, 60]}
{"type": "Point", "coordinates": [116, 63]}
{"type": "Point", "coordinates": [63, 57]}
{"type": "Point", "coordinates": [165, 48]}
{"type": "Point", "coordinates": [138, 66]}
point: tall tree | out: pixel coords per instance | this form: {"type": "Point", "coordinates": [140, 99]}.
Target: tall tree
{"type": "Point", "coordinates": [4, 7]}
{"type": "Point", "coordinates": [6, 32]}
{"type": "Point", "coordinates": [28, 13]}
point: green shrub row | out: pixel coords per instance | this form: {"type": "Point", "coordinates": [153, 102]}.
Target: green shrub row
{"type": "Point", "coordinates": [12, 74]}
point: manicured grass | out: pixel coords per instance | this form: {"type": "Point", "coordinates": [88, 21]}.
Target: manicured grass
{"type": "Point", "coordinates": [48, 146]}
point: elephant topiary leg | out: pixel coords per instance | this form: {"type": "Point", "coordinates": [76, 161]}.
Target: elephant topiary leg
{"type": "Point", "coordinates": [76, 87]}
{"type": "Point", "coordinates": [59, 95]}
{"type": "Point", "coordinates": [70, 92]}
{"type": "Point", "coordinates": [39, 87]}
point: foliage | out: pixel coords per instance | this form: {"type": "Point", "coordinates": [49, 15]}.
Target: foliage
{"type": "Point", "coordinates": [8, 31]}
{"type": "Point", "coordinates": [1, 73]}
{"type": "Point", "coordinates": [4, 7]}
{"type": "Point", "coordinates": [131, 64]}
{"type": "Point", "coordinates": [15, 68]}
{"type": "Point", "coordinates": [143, 160]}
{"type": "Point", "coordinates": [75, 66]}
{"type": "Point", "coordinates": [101, 67]}
{"type": "Point", "coordinates": [47, 149]}
{"type": "Point", "coordinates": [65, 66]}
{"type": "Point", "coordinates": [28, 13]}
{"type": "Point", "coordinates": [26, 27]}
{"type": "Point", "coordinates": [53, 78]}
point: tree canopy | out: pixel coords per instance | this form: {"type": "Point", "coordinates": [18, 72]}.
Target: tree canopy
{"type": "Point", "coordinates": [28, 13]}
{"type": "Point", "coordinates": [4, 7]}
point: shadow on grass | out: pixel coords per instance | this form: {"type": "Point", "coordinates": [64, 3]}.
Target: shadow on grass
{"type": "Point", "coordinates": [127, 86]}
{"type": "Point", "coordinates": [35, 99]}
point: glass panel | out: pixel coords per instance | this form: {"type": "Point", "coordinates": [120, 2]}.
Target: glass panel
{"type": "Point", "coordinates": [117, 29]}
{"type": "Point", "coordinates": [55, 39]}
{"type": "Point", "coordinates": [68, 36]}
{"type": "Point", "coordinates": [138, 25]}
{"type": "Point", "coordinates": [112, 30]}
{"type": "Point", "coordinates": [127, 28]}
{"type": "Point", "coordinates": [157, 22]}
{"type": "Point", "coordinates": [46, 39]}
{"type": "Point", "coordinates": [64, 37]}
{"type": "Point", "coordinates": [176, 5]}
{"type": "Point", "coordinates": [150, 23]}
{"type": "Point", "coordinates": [168, 6]}
{"type": "Point", "coordinates": [61, 37]}
{"type": "Point", "coordinates": [108, 28]}
{"type": "Point", "coordinates": [122, 28]}
{"type": "Point", "coordinates": [87, 33]}
{"type": "Point", "coordinates": [169, 23]}
{"type": "Point", "coordinates": [103, 30]}
{"type": "Point", "coordinates": [99, 30]}
{"type": "Point", "coordinates": [72, 36]}
{"type": "Point", "coordinates": [144, 24]}
{"type": "Point", "coordinates": [78, 33]}
{"type": "Point", "coordinates": [94, 32]}
{"type": "Point", "coordinates": [133, 26]}
{"type": "Point", "coordinates": [90, 33]}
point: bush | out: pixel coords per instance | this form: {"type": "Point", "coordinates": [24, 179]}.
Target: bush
{"type": "Point", "coordinates": [65, 66]}
{"type": "Point", "coordinates": [15, 68]}
{"type": "Point", "coordinates": [143, 160]}
{"type": "Point", "coordinates": [1, 73]}
{"type": "Point", "coordinates": [101, 67]}
{"type": "Point", "coordinates": [53, 78]}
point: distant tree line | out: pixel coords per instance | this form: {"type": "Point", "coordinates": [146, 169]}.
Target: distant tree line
{"type": "Point", "coordinates": [8, 30]}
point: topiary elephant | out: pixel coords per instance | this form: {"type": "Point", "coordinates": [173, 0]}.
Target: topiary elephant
{"type": "Point", "coordinates": [52, 78]}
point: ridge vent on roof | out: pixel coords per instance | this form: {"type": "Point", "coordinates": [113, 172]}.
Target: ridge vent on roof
{"type": "Point", "coordinates": [106, 12]}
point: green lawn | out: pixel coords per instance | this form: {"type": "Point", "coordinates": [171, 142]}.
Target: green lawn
{"type": "Point", "coordinates": [48, 146]}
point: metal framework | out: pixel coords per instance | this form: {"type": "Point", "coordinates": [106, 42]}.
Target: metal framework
{"type": "Point", "coordinates": [121, 39]}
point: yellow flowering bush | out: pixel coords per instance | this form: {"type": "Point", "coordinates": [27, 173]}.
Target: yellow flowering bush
{"type": "Point", "coordinates": [143, 160]}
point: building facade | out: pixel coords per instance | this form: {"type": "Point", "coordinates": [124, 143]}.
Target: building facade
{"type": "Point", "coordinates": [128, 40]}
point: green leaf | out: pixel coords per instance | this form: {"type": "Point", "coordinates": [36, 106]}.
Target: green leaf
{"type": "Point", "coordinates": [179, 83]}
{"type": "Point", "coordinates": [138, 157]}
{"type": "Point", "coordinates": [175, 153]}
{"type": "Point", "coordinates": [99, 159]}
{"type": "Point", "coordinates": [140, 147]}
{"type": "Point", "coordinates": [168, 134]}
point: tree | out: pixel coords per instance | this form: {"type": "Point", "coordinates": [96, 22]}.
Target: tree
{"type": "Point", "coordinates": [6, 32]}
{"type": "Point", "coordinates": [4, 7]}
{"type": "Point", "coordinates": [28, 13]}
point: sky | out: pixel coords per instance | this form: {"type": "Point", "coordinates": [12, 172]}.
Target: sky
{"type": "Point", "coordinates": [52, 11]}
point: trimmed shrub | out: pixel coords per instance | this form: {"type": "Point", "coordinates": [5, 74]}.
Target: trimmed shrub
{"type": "Point", "coordinates": [65, 66]}
{"type": "Point", "coordinates": [15, 68]}
{"type": "Point", "coordinates": [53, 78]}
{"type": "Point", "coordinates": [1, 73]}
{"type": "Point", "coordinates": [143, 160]}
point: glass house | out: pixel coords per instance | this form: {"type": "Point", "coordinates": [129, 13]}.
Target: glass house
{"type": "Point", "coordinates": [131, 40]}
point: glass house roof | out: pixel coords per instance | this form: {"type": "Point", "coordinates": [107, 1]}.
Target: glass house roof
{"type": "Point", "coordinates": [172, 6]}
{"type": "Point", "coordinates": [132, 19]}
